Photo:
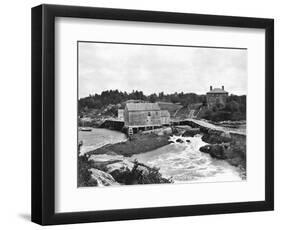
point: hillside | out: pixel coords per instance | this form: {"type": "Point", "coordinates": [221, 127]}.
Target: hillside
{"type": "Point", "coordinates": [179, 105]}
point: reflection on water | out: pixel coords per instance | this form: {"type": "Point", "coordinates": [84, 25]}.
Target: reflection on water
{"type": "Point", "coordinates": [184, 162]}
{"type": "Point", "coordinates": [98, 138]}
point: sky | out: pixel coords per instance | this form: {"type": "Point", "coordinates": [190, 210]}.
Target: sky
{"type": "Point", "coordinates": [154, 69]}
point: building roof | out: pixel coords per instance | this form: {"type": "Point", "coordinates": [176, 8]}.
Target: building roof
{"type": "Point", "coordinates": [134, 101]}
{"type": "Point", "coordinates": [142, 106]}
{"type": "Point", "coordinates": [217, 90]}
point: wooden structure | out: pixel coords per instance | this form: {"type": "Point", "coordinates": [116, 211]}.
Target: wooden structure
{"type": "Point", "coordinates": [165, 117]}
{"type": "Point", "coordinates": [142, 116]}
{"type": "Point", "coordinates": [121, 114]}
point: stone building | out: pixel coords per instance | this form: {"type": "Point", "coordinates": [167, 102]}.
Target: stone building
{"type": "Point", "coordinates": [216, 96]}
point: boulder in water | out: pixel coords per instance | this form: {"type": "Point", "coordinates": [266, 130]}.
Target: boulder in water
{"type": "Point", "coordinates": [216, 137]}
{"type": "Point", "coordinates": [179, 140]}
{"type": "Point", "coordinates": [216, 151]}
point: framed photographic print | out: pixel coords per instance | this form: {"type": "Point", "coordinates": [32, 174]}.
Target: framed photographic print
{"type": "Point", "coordinates": [143, 114]}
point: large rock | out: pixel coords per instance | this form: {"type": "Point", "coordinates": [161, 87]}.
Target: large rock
{"type": "Point", "coordinates": [234, 154]}
{"type": "Point", "coordinates": [191, 132]}
{"type": "Point", "coordinates": [121, 166]}
{"type": "Point", "coordinates": [216, 151]}
{"type": "Point", "coordinates": [204, 129]}
{"type": "Point", "coordinates": [127, 172]}
{"type": "Point", "coordinates": [103, 170]}
{"type": "Point", "coordinates": [101, 178]}
{"type": "Point", "coordinates": [120, 170]}
{"type": "Point", "coordinates": [216, 137]}
{"type": "Point", "coordinates": [179, 140]}
{"type": "Point", "coordinates": [103, 160]}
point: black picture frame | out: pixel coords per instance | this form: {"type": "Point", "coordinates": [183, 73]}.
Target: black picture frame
{"type": "Point", "coordinates": [43, 113]}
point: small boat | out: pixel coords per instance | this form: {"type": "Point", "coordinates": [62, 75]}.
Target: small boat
{"type": "Point", "coordinates": [85, 129]}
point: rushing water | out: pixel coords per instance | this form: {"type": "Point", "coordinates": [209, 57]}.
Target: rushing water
{"type": "Point", "coordinates": [181, 161]}
{"type": "Point", "coordinates": [185, 163]}
{"type": "Point", "coordinates": [98, 138]}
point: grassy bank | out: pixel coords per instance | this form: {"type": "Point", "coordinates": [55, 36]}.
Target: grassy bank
{"type": "Point", "coordinates": [139, 143]}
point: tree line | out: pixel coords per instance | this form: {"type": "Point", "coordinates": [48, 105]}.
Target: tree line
{"type": "Point", "coordinates": [234, 109]}
{"type": "Point", "coordinates": [98, 101]}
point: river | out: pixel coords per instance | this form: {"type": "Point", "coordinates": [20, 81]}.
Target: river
{"type": "Point", "coordinates": [98, 138]}
{"type": "Point", "coordinates": [185, 163]}
{"type": "Point", "coordinates": [181, 161]}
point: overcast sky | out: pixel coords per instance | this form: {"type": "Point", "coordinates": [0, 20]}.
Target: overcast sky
{"type": "Point", "coordinates": [153, 69]}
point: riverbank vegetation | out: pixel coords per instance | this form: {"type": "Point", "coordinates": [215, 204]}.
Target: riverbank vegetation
{"type": "Point", "coordinates": [233, 110]}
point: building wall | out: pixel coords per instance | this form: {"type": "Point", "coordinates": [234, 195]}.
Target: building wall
{"type": "Point", "coordinates": [165, 120]}
{"type": "Point", "coordinates": [121, 114]}
{"type": "Point", "coordinates": [213, 98]}
{"type": "Point", "coordinates": [142, 118]}
{"type": "Point", "coordinates": [165, 117]}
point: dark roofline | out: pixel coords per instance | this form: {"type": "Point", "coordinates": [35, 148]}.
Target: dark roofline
{"type": "Point", "coordinates": [218, 92]}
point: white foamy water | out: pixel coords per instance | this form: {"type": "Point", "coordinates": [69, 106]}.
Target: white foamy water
{"type": "Point", "coordinates": [185, 163]}
{"type": "Point", "coordinates": [181, 161]}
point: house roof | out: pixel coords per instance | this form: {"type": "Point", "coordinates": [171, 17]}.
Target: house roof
{"type": "Point", "coordinates": [217, 90]}
{"type": "Point", "coordinates": [142, 106]}
{"type": "Point", "coordinates": [134, 101]}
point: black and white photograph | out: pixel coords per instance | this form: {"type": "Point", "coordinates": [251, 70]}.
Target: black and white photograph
{"type": "Point", "coordinates": [140, 114]}
{"type": "Point", "coordinates": [160, 114]}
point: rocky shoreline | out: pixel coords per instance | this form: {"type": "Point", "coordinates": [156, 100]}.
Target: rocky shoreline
{"type": "Point", "coordinates": [96, 171]}
{"type": "Point", "coordinates": [226, 146]}
{"type": "Point", "coordinates": [108, 165]}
